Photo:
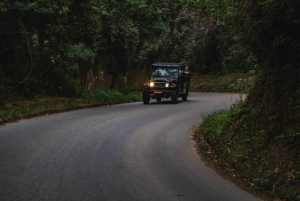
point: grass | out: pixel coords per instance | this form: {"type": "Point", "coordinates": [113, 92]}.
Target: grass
{"type": "Point", "coordinates": [255, 143]}
{"type": "Point", "coordinates": [267, 168]}
{"type": "Point", "coordinates": [41, 104]}
{"type": "Point", "coordinates": [234, 82]}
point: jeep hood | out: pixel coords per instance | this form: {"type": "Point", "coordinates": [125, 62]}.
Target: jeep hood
{"type": "Point", "coordinates": [161, 79]}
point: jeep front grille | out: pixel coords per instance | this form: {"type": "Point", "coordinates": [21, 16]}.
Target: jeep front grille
{"type": "Point", "coordinates": [159, 84]}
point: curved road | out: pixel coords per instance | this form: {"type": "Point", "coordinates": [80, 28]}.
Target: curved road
{"type": "Point", "coordinates": [121, 152]}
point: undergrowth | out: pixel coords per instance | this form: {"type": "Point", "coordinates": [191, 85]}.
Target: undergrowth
{"type": "Point", "coordinates": [234, 82]}
{"type": "Point", "coordinates": [267, 164]}
{"type": "Point", "coordinates": [42, 104]}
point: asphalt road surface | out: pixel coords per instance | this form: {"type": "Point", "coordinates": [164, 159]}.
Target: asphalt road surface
{"type": "Point", "coordinates": [121, 152]}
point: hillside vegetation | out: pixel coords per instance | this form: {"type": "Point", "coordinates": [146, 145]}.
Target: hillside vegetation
{"type": "Point", "coordinates": [68, 48]}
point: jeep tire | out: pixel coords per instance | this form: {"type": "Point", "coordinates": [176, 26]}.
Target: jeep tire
{"type": "Point", "coordinates": [146, 98]}
{"type": "Point", "coordinates": [174, 97]}
{"type": "Point", "coordinates": [184, 97]}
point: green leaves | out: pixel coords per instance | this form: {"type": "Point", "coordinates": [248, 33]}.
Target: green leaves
{"type": "Point", "coordinates": [3, 7]}
{"type": "Point", "coordinates": [79, 50]}
{"type": "Point", "coordinates": [41, 6]}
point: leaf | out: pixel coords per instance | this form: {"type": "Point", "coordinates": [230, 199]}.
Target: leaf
{"type": "Point", "coordinates": [279, 137]}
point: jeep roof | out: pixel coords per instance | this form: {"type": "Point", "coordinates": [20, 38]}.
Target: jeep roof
{"type": "Point", "coordinates": [167, 64]}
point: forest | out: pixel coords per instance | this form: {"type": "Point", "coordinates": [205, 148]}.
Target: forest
{"type": "Point", "coordinates": [52, 46]}
{"type": "Point", "coordinates": [64, 47]}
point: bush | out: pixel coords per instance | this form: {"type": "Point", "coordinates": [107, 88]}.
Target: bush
{"type": "Point", "coordinates": [111, 96]}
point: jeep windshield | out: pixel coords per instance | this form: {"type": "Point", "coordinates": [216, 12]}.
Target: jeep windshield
{"type": "Point", "coordinates": [164, 72]}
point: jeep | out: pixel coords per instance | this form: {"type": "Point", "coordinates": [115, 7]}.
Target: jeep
{"type": "Point", "coordinates": [167, 80]}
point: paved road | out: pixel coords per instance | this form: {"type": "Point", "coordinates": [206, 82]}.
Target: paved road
{"type": "Point", "coordinates": [122, 152]}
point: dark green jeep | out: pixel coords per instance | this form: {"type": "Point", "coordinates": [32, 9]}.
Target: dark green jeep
{"type": "Point", "coordinates": [167, 80]}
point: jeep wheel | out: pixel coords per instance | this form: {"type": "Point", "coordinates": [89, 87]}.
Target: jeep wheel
{"type": "Point", "coordinates": [174, 97]}
{"type": "Point", "coordinates": [146, 98]}
{"type": "Point", "coordinates": [184, 97]}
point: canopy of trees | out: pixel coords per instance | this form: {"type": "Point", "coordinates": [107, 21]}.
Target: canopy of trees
{"type": "Point", "coordinates": [50, 45]}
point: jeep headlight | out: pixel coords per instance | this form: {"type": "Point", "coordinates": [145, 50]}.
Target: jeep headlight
{"type": "Point", "coordinates": [151, 84]}
{"type": "Point", "coordinates": [167, 85]}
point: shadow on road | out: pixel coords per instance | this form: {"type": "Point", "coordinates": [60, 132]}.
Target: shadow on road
{"type": "Point", "coordinates": [167, 102]}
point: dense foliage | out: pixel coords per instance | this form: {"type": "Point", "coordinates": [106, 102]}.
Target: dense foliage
{"type": "Point", "coordinates": [50, 46]}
